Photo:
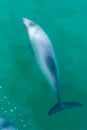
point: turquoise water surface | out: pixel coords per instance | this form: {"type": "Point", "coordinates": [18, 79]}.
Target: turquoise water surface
{"type": "Point", "coordinates": [25, 94]}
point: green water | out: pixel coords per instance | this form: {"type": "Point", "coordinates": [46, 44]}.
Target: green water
{"type": "Point", "coordinates": [25, 95]}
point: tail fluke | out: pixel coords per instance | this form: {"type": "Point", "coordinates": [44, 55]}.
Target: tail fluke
{"type": "Point", "coordinates": [63, 105]}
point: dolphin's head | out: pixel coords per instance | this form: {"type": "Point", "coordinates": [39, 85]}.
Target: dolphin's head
{"type": "Point", "coordinates": [31, 27]}
{"type": "Point", "coordinates": [28, 23]}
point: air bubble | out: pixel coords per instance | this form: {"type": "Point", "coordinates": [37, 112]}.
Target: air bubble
{"type": "Point", "coordinates": [15, 108]}
{"type": "Point", "coordinates": [22, 120]}
{"type": "Point", "coordinates": [8, 103]}
{"type": "Point", "coordinates": [0, 87]}
{"type": "Point", "coordinates": [2, 108]}
{"type": "Point", "coordinates": [11, 110]}
{"type": "Point", "coordinates": [24, 125]}
{"type": "Point", "coordinates": [5, 97]}
{"type": "Point", "coordinates": [5, 111]}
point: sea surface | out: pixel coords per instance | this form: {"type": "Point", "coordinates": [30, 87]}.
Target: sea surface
{"type": "Point", "coordinates": [25, 94]}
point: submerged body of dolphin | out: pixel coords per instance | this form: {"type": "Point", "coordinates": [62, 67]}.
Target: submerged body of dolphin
{"type": "Point", "coordinates": [44, 54]}
{"type": "Point", "coordinates": [6, 125]}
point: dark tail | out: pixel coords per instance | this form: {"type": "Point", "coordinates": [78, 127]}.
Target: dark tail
{"type": "Point", "coordinates": [63, 105]}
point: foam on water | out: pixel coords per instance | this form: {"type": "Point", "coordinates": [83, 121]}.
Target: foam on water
{"type": "Point", "coordinates": [7, 108]}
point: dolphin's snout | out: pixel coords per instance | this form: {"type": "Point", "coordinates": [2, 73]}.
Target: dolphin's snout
{"type": "Point", "coordinates": [26, 21]}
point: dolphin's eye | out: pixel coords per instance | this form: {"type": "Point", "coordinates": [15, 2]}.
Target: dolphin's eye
{"type": "Point", "coordinates": [32, 24]}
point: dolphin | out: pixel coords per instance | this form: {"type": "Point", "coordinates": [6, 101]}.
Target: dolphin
{"type": "Point", "coordinates": [44, 53]}
{"type": "Point", "coordinates": [6, 125]}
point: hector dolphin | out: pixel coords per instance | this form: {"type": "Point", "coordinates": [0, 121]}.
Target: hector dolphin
{"type": "Point", "coordinates": [6, 125]}
{"type": "Point", "coordinates": [43, 51]}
